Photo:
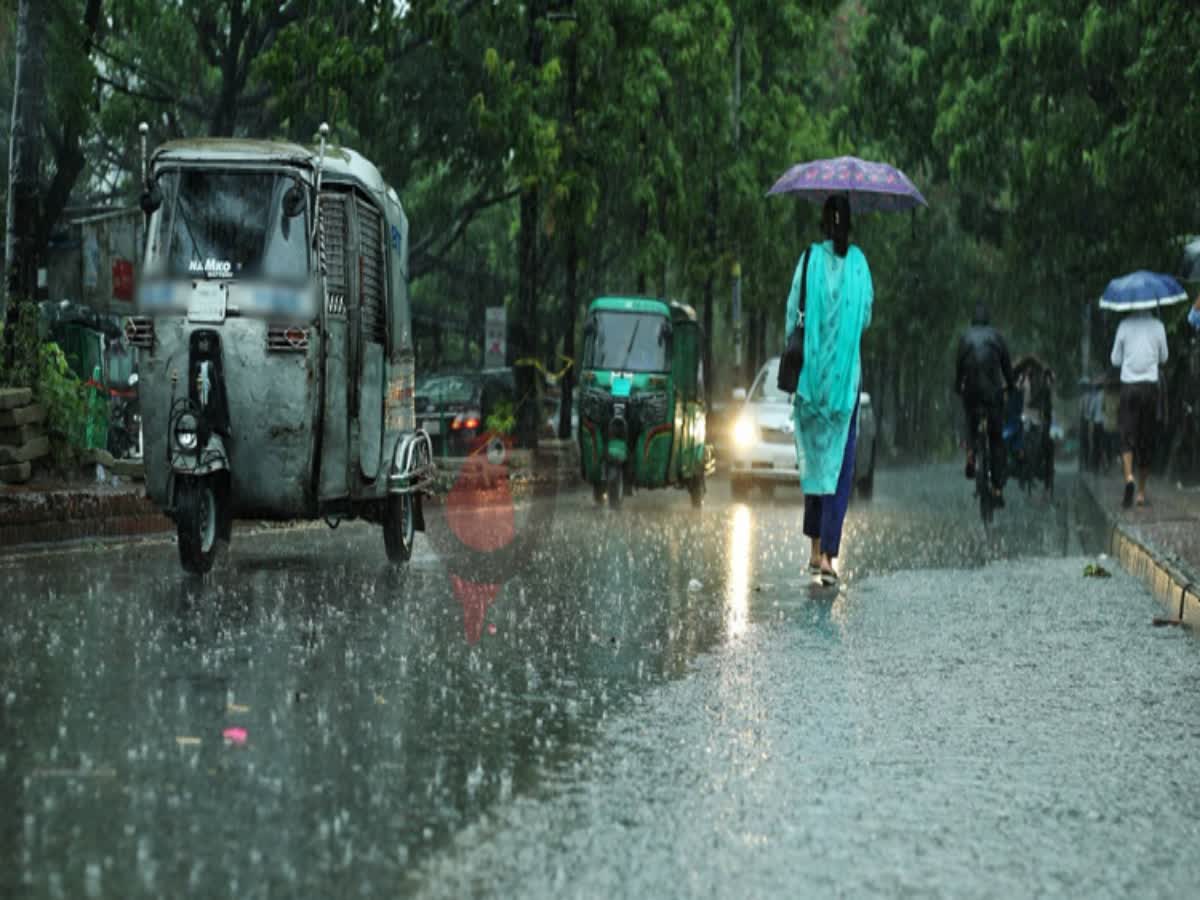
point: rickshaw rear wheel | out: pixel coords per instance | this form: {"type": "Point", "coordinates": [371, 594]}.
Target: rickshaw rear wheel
{"type": "Point", "coordinates": [399, 527]}
{"type": "Point", "coordinates": [697, 488]}
{"type": "Point", "coordinates": [598, 492]}
{"type": "Point", "coordinates": [616, 486]}
{"type": "Point", "coordinates": [196, 518]}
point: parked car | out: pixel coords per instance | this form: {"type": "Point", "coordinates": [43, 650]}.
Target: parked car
{"type": "Point", "coordinates": [763, 444]}
{"type": "Point", "coordinates": [453, 407]}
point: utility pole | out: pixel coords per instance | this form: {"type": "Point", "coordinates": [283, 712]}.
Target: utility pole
{"type": "Point", "coordinates": [572, 283]}
{"type": "Point", "coordinates": [23, 215]}
{"type": "Point", "coordinates": [735, 115]}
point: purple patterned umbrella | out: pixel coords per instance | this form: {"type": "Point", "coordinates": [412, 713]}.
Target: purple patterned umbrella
{"type": "Point", "coordinates": [870, 185]}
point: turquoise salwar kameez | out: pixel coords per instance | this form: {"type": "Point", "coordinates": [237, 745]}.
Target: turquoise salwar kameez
{"type": "Point", "coordinates": [838, 309]}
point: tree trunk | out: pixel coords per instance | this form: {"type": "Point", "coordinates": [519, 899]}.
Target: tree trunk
{"type": "Point", "coordinates": [711, 238]}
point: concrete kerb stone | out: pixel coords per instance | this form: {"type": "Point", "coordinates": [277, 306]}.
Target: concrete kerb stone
{"type": "Point", "coordinates": [1170, 580]}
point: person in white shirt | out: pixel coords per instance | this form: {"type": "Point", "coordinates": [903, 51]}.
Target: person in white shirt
{"type": "Point", "coordinates": [1138, 350]}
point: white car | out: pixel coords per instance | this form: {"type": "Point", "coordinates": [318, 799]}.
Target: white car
{"type": "Point", "coordinates": [763, 446]}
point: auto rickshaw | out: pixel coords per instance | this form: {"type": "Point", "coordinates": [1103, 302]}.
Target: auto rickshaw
{"type": "Point", "coordinates": [276, 369]}
{"type": "Point", "coordinates": [641, 400]}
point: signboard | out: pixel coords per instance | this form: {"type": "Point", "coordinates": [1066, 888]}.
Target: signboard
{"type": "Point", "coordinates": [122, 280]}
{"type": "Point", "coordinates": [495, 343]}
{"type": "Point", "coordinates": [109, 251]}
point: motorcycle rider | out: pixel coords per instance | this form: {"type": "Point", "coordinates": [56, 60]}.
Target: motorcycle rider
{"type": "Point", "coordinates": [982, 375]}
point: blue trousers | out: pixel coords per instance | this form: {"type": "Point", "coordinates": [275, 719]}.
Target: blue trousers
{"type": "Point", "coordinates": [825, 513]}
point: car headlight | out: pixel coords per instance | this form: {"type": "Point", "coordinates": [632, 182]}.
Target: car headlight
{"type": "Point", "coordinates": [744, 431]}
{"type": "Point", "coordinates": [186, 430]}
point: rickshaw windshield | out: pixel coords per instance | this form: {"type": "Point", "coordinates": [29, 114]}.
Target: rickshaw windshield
{"type": "Point", "coordinates": [222, 224]}
{"type": "Point", "coordinates": [627, 342]}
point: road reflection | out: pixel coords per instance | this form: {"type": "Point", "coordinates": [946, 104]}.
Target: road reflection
{"type": "Point", "coordinates": [740, 566]}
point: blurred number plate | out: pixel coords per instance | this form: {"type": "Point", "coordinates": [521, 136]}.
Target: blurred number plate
{"type": "Point", "coordinates": [208, 302]}
{"type": "Point", "coordinates": [432, 426]}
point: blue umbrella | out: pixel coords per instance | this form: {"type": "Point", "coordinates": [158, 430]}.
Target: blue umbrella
{"type": "Point", "coordinates": [1141, 290]}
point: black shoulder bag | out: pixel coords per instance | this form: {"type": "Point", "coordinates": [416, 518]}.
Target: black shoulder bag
{"type": "Point", "coordinates": [792, 360]}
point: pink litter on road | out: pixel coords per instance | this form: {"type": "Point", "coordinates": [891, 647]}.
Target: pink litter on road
{"type": "Point", "coordinates": [491, 628]}
{"type": "Point", "coordinates": [234, 735]}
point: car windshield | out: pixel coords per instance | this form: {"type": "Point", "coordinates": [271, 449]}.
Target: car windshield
{"type": "Point", "coordinates": [765, 389]}
{"type": "Point", "coordinates": [449, 390]}
{"type": "Point", "coordinates": [627, 342]}
{"type": "Point", "coordinates": [218, 224]}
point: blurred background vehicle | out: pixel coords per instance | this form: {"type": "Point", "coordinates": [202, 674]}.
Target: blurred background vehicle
{"type": "Point", "coordinates": [455, 407]}
{"type": "Point", "coordinates": [763, 441]}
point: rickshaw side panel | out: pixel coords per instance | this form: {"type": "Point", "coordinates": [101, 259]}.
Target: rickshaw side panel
{"type": "Point", "coordinates": [690, 414]}
{"type": "Point", "coordinates": [653, 453]}
{"type": "Point", "coordinates": [590, 451]}
{"type": "Point", "coordinates": [399, 412]}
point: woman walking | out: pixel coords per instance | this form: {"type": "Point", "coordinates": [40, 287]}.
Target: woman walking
{"type": "Point", "coordinates": [838, 302]}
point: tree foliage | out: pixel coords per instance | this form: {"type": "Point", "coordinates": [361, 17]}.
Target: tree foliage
{"type": "Point", "coordinates": [553, 150]}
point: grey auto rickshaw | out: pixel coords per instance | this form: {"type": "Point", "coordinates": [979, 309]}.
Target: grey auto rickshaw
{"type": "Point", "coordinates": [276, 366]}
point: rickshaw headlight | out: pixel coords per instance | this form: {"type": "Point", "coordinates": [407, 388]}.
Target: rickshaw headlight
{"type": "Point", "coordinates": [744, 432]}
{"type": "Point", "coordinates": [186, 429]}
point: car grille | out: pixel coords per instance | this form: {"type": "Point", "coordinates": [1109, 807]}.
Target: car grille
{"type": "Point", "coordinates": [777, 436]}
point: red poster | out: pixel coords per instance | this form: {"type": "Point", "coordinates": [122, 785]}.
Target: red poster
{"type": "Point", "coordinates": [122, 279]}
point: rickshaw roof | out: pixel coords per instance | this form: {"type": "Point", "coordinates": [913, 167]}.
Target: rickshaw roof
{"type": "Point", "coordinates": [341, 163]}
{"type": "Point", "coordinates": [631, 304]}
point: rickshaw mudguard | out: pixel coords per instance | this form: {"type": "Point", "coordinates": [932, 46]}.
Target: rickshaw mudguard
{"type": "Point", "coordinates": [412, 470]}
{"type": "Point", "coordinates": [617, 451]}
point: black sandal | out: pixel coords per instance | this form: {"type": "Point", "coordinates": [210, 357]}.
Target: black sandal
{"type": "Point", "coordinates": [829, 577]}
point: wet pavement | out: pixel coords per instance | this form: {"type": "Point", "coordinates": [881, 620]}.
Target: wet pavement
{"type": "Point", "coordinates": [650, 702]}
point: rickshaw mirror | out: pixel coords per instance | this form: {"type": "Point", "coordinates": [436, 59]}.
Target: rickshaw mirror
{"type": "Point", "coordinates": [293, 201]}
{"type": "Point", "coordinates": [151, 199]}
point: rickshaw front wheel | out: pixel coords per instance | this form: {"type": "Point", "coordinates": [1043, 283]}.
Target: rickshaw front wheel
{"type": "Point", "coordinates": [616, 486]}
{"type": "Point", "coordinates": [697, 488]}
{"type": "Point", "coordinates": [598, 492]}
{"type": "Point", "coordinates": [399, 527]}
{"type": "Point", "coordinates": [196, 518]}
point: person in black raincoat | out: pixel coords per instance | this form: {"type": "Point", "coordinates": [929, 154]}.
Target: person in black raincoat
{"type": "Point", "coordinates": [982, 374]}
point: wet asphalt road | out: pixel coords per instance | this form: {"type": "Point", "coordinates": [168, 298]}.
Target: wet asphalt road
{"type": "Point", "coordinates": [645, 703]}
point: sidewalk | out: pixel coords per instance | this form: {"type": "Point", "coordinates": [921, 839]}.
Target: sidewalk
{"type": "Point", "coordinates": [1159, 543]}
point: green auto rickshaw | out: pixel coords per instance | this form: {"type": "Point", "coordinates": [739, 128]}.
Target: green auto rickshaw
{"type": "Point", "coordinates": [641, 399]}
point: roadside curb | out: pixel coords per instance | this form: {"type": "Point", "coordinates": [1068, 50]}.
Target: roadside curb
{"type": "Point", "coordinates": [63, 515]}
{"type": "Point", "coordinates": [33, 520]}
{"type": "Point", "coordinates": [1167, 577]}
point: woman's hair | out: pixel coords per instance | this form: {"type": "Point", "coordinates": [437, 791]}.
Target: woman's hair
{"type": "Point", "coordinates": [835, 222]}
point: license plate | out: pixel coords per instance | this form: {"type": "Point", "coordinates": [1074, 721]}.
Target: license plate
{"type": "Point", "coordinates": [207, 303]}
{"type": "Point", "coordinates": [432, 426]}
